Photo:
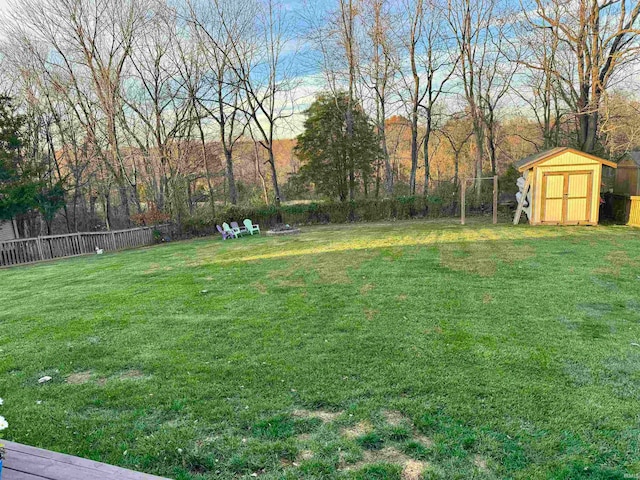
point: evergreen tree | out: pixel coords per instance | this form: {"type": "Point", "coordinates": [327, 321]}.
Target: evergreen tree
{"type": "Point", "coordinates": [335, 162]}
{"type": "Point", "coordinates": [22, 187]}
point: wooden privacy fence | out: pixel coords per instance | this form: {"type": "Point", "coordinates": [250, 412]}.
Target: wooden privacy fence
{"type": "Point", "coordinates": [634, 213]}
{"type": "Point", "coordinates": [30, 250]}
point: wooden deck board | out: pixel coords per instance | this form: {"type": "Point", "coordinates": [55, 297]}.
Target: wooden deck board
{"type": "Point", "coordinates": [23, 462]}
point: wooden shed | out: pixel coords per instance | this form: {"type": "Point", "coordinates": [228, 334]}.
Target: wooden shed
{"type": "Point", "coordinates": [628, 175]}
{"type": "Point", "coordinates": [564, 186]}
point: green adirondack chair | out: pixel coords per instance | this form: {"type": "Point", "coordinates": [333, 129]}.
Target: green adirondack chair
{"type": "Point", "coordinates": [251, 228]}
{"type": "Point", "coordinates": [229, 230]}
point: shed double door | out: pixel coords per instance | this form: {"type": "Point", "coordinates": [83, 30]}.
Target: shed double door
{"type": "Point", "coordinates": [566, 197]}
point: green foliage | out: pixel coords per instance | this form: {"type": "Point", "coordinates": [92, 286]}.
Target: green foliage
{"type": "Point", "coordinates": [507, 181]}
{"type": "Point", "coordinates": [22, 187]}
{"type": "Point", "coordinates": [366, 210]}
{"type": "Point", "coordinates": [49, 200]}
{"type": "Point", "coordinates": [338, 147]}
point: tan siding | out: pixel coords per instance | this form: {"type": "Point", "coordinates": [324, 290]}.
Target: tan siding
{"type": "Point", "coordinates": [583, 201]}
{"type": "Point", "coordinates": [570, 158]}
{"type": "Point", "coordinates": [634, 216]}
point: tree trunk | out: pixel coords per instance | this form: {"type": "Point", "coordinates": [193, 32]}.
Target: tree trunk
{"type": "Point", "coordinates": [274, 176]}
{"type": "Point", "coordinates": [124, 203]}
{"type": "Point", "coordinates": [233, 191]}
{"type": "Point", "coordinates": [427, 172]}
{"type": "Point", "coordinates": [414, 151]}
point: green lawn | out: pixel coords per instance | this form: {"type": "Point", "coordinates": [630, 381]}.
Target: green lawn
{"type": "Point", "coordinates": [361, 351]}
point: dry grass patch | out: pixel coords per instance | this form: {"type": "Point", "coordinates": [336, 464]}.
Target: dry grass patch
{"type": "Point", "coordinates": [156, 267]}
{"type": "Point", "coordinates": [487, 298]}
{"type": "Point", "coordinates": [426, 441]}
{"type": "Point", "coordinates": [132, 374]}
{"type": "Point", "coordinates": [335, 271]}
{"type": "Point", "coordinates": [615, 261]}
{"type": "Point", "coordinates": [402, 297]}
{"type": "Point", "coordinates": [471, 258]}
{"type": "Point", "coordinates": [303, 437]}
{"type": "Point", "coordinates": [370, 313]}
{"type": "Point", "coordinates": [357, 430]}
{"type": "Point", "coordinates": [304, 455]}
{"type": "Point", "coordinates": [480, 463]}
{"type": "Point", "coordinates": [338, 272]}
{"type": "Point", "coordinates": [366, 289]}
{"type": "Point", "coordinates": [260, 287]}
{"type": "Point", "coordinates": [79, 378]}
{"type": "Point", "coordinates": [395, 418]}
{"type": "Point", "coordinates": [481, 258]}
{"type": "Point", "coordinates": [411, 469]}
{"type": "Point", "coordinates": [323, 415]}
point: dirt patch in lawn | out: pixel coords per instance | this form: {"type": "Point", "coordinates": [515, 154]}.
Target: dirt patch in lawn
{"type": "Point", "coordinates": [132, 374]}
{"type": "Point", "coordinates": [79, 378]}
{"type": "Point", "coordinates": [411, 469]}
{"type": "Point", "coordinates": [395, 418]}
{"type": "Point", "coordinates": [426, 441]}
{"type": "Point", "coordinates": [357, 430]}
{"type": "Point", "coordinates": [303, 437]}
{"type": "Point", "coordinates": [480, 463]}
{"type": "Point", "coordinates": [402, 297]}
{"type": "Point", "coordinates": [323, 415]}
{"type": "Point", "coordinates": [304, 455]}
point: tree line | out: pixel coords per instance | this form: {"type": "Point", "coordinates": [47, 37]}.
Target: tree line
{"type": "Point", "coordinates": [143, 107]}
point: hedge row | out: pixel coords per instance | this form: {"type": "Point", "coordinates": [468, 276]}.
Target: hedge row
{"type": "Point", "coordinates": [367, 210]}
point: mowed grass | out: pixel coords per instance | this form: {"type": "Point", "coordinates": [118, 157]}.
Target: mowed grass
{"type": "Point", "coordinates": [381, 351]}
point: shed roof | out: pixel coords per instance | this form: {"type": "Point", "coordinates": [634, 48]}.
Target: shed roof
{"type": "Point", "coordinates": [635, 156]}
{"type": "Point", "coordinates": [531, 160]}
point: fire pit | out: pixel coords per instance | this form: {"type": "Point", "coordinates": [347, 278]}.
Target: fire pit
{"type": "Point", "coordinates": [283, 229]}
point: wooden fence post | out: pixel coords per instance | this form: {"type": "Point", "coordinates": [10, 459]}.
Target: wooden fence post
{"type": "Point", "coordinates": [113, 241]}
{"type": "Point", "coordinates": [463, 201]}
{"type": "Point", "coordinates": [495, 199]}
{"type": "Point", "coordinates": [39, 245]}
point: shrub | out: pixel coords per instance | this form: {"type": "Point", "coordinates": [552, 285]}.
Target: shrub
{"type": "Point", "coordinates": [368, 210]}
{"type": "Point", "coordinates": [151, 217]}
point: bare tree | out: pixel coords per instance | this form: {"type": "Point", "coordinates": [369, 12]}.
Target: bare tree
{"type": "Point", "coordinates": [602, 37]}
{"type": "Point", "coordinates": [430, 65]}
{"type": "Point", "coordinates": [479, 28]}
{"type": "Point", "coordinates": [259, 59]}
{"type": "Point", "coordinates": [377, 68]}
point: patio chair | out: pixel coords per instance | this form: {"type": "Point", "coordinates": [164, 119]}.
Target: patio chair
{"type": "Point", "coordinates": [226, 234]}
{"type": "Point", "coordinates": [238, 229]}
{"type": "Point", "coordinates": [251, 227]}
